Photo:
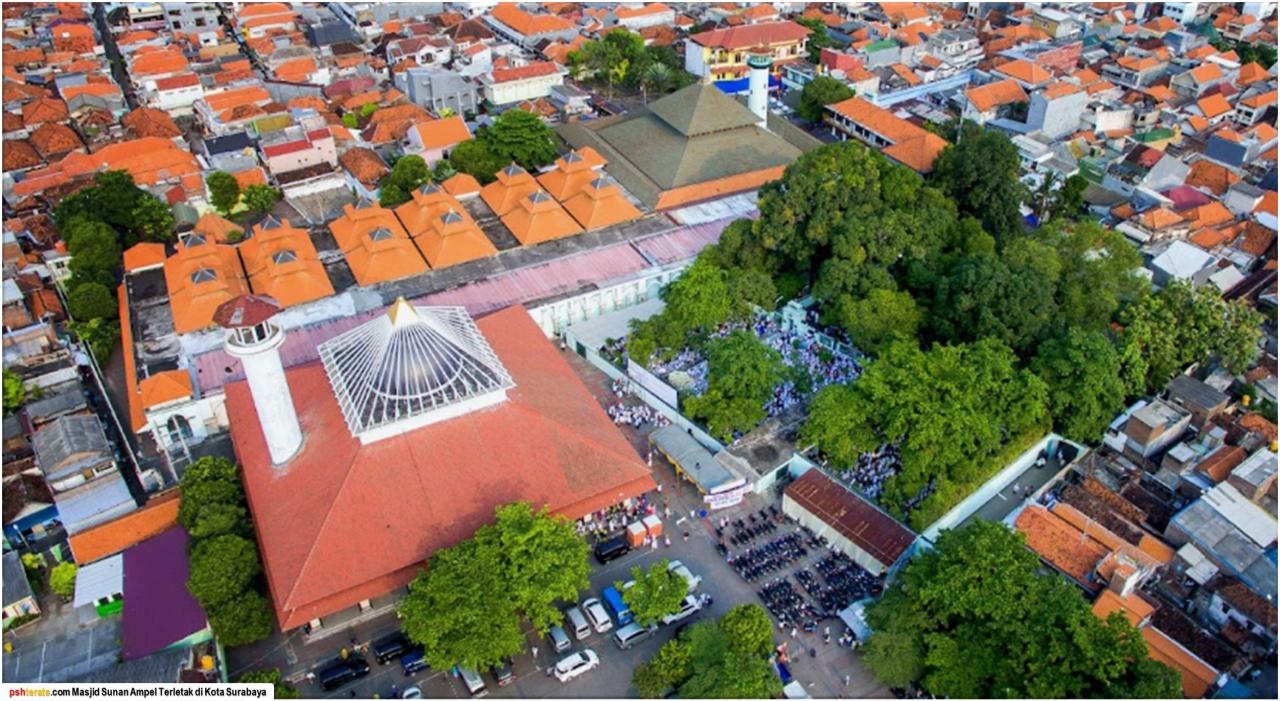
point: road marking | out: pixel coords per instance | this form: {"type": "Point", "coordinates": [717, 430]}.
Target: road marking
{"type": "Point", "coordinates": [88, 655]}
{"type": "Point", "coordinates": [40, 674]}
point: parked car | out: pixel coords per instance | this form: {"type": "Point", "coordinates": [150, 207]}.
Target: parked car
{"type": "Point", "coordinates": [632, 634]}
{"type": "Point", "coordinates": [559, 639]}
{"type": "Point", "coordinates": [411, 692]}
{"type": "Point", "coordinates": [342, 672]}
{"type": "Point", "coordinates": [678, 567]}
{"type": "Point", "coordinates": [613, 600]}
{"type": "Point", "coordinates": [575, 665]}
{"type": "Point", "coordinates": [576, 622]}
{"type": "Point", "coordinates": [473, 681]}
{"type": "Point", "coordinates": [609, 550]}
{"type": "Point", "coordinates": [413, 661]}
{"type": "Point", "coordinates": [688, 607]}
{"type": "Point", "coordinates": [389, 647]}
{"type": "Point", "coordinates": [597, 615]}
{"type": "Point", "coordinates": [504, 674]}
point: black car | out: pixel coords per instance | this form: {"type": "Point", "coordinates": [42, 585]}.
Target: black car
{"type": "Point", "coordinates": [503, 673]}
{"type": "Point", "coordinates": [342, 672]}
{"type": "Point", "coordinates": [390, 647]}
{"type": "Point", "coordinates": [611, 549]}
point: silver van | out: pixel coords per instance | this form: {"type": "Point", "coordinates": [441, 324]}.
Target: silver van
{"type": "Point", "coordinates": [576, 623]}
{"type": "Point", "coordinates": [559, 639]}
{"type": "Point", "coordinates": [473, 681]}
{"type": "Point", "coordinates": [631, 634]}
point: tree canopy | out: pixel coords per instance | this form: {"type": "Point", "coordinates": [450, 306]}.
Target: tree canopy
{"type": "Point", "coordinates": [224, 191]}
{"type": "Point", "coordinates": [741, 374]}
{"type": "Point", "coordinates": [92, 300]}
{"type": "Point", "coordinates": [466, 606]}
{"type": "Point", "coordinates": [222, 567]}
{"type": "Point", "coordinates": [406, 175]}
{"type": "Point", "coordinates": [1086, 387]}
{"type": "Point", "coordinates": [522, 137]}
{"type": "Point", "coordinates": [245, 619]}
{"type": "Point", "coordinates": [62, 579]}
{"type": "Point", "coordinates": [260, 198]}
{"type": "Point", "coordinates": [980, 171]}
{"type": "Point", "coordinates": [818, 39]}
{"type": "Point", "coordinates": [725, 658]}
{"type": "Point", "coordinates": [133, 213]}
{"type": "Point", "coordinates": [972, 618]}
{"type": "Point", "coordinates": [656, 593]}
{"type": "Point", "coordinates": [15, 392]}
{"type": "Point", "coordinates": [820, 92]}
{"type": "Point", "coordinates": [475, 158]}
{"type": "Point", "coordinates": [620, 58]}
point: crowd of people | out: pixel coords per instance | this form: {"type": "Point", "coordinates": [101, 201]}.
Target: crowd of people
{"type": "Point", "coordinates": [606, 522]}
{"type": "Point", "coordinates": [873, 469]}
{"type": "Point", "coordinates": [637, 414]}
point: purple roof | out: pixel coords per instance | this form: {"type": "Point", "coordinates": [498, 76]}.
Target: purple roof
{"type": "Point", "coordinates": [158, 610]}
{"type": "Point", "coordinates": [1186, 197]}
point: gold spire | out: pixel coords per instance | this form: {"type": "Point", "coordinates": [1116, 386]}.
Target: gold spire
{"type": "Point", "coordinates": [402, 313]}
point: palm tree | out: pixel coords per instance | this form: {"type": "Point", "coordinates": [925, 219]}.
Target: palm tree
{"type": "Point", "coordinates": [1043, 197]}
{"type": "Point", "coordinates": [658, 77]}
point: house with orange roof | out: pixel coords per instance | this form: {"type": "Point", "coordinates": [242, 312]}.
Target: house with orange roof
{"type": "Point", "coordinates": [1249, 109]}
{"type": "Point", "coordinates": [537, 217]}
{"type": "Point", "coordinates": [983, 102]}
{"type": "Point", "coordinates": [1134, 71]}
{"type": "Point", "coordinates": [146, 66]}
{"type": "Point", "coordinates": [20, 155]}
{"type": "Point", "coordinates": [512, 184]}
{"type": "Point", "coordinates": [425, 205]}
{"type": "Point", "coordinates": [388, 126]}
{"type": "Point", "coordinates": [1211, 177]}
{"type": "Point", "coordinates": [1198, 676]}
{"type": "Point", "coordinates": [879, 128]}
{"type": "Point", "coordinates": [721, 53]}
{"type": "Point", "coordinates": [200, 276]}
{"type": "Point", "coordinates": [54, 140]}
{"type": "Point", "coordinates": [462, 186]}
{"type": "Point", "coordinates": [256, 20]}
{"type": "Point", "coordinates": [94, 95]}
{"type": "Point", "coordinates": [435, 139]}
{"type": "Point", "coordinates": [376, 246]}
{"type": "Point", "coordinates": [1208, 215]}
{"type": "Point", "coordinates": [213, 227]}
{"type": "Point", "coordinates": [44, 109]}
{"type": "Point", "coordinates": [451, 237]}
{"type": "Point", "coordinates": [221, 112]}
{"type": "Point", "coordinates": [1062, 546]}
{"type": "Point", "coordinates": [515, 24]}
{"type": "Point", "coordinates": [76, 37]}
{"type": "Point", "coordinates": [654, 14]}
{"type": "Point", "coordinates": [503, 86]}
{"type": "Point", "coordinates": [305, 150]}
{"type": "Point", "coordinates": [282, 262]}
{"type": "Point", "coordinates": [571, 173]}
{"type": "Point", "coordinates": [175, 94]}
{"type": "Point", "coordinates": [1251, 73]}
{"type": "Point", "coordinates": [1029, 75]}
{"type": "Point", "coordinates": [600, 203]}
{"type": "Point", "coordinates": [1197, 81]}
{"type": "Point", "coordinates": [365, 171]}
{"type": "Point", "coordinates": [1213, 108]}
{"type": "Point", "coordinates": [145, 121]}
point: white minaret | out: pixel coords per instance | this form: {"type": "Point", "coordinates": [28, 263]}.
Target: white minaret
{"type": "Point", "coordinates": [253, 339]}
{"type": "Point", "coordinates": [759, 60]}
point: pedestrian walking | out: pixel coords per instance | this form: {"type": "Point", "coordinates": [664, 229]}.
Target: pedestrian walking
{"type": "Point", "coordinates": [846, 681]}
{"type": "Point", "coordinates": [692, 514]}
{"type": "Point", "coordinates": [794, 631]}
{"type": "Point", "coordinates": [534, 650]}
{"type": "Point", "coordinates": [666, 541]}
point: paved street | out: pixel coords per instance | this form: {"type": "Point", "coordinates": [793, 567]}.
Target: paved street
{"type": "Point", "coordinates": [823, 675]}
{"type": "Point", "coordinates": [64, 644]}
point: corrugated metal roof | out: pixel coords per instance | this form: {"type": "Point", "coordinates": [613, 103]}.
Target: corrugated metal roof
{"type": "Point", "coordinates": [853, 517]}
{"type": "Point", "coordinates": [681, 244]}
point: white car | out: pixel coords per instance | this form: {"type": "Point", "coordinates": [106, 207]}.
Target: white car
{"type": "Point", "coordinates": [597, 615]}
{"type": "Point", "coordinates": [411, 692]}
{"type": "Point", "coordinates": [687, 609]}
{"type": "Point", "coordinates": [575, 665]}
{"type": "Point", "coordinates": [678, 567]}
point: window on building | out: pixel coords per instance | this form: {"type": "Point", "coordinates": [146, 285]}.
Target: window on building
{"type": "Point", "coordinates": [204, 275]}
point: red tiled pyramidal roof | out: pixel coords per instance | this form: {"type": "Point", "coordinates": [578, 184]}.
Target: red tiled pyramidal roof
{"type": "Point", "coordinates": [343, 522]}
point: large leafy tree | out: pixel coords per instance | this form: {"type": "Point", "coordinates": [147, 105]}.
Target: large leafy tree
{"type": "Point", "coordinates": [1086, 387]}
{"type": "Point", "coordinates": [406, 175]}
{"type": "Point", "coordinates": [749, 630]}
{"type": "Point", "coordinates": [974, 618]}
{"type": "Point", "coordinates": [656, 593]}
{"type": "Point", "coordinates": [221, 568]}
{"type": "Point", "coordinates": [818, 39]}
{"type": "Point", "coordinates": [544, 560]}
{"type": "Point", "coordinates": [820, 92]}
{"type": "Point", "coordinates": [100, 335]}
{"type": "Point", "coordinates": [711, 660]}
{"type": "Point", "coordinates": [695, 304]}
{"type": "Point", "coordinates": [880, 318]}
{"type": "Point", "coordinates": [950, 409]}
{"type": "Point", "coordinates": [133, 213]}
{"type": "Point", "coordinates": [980, 171]}
{"type": "Point", "coordinates": [1098, 273]}
{"type": "Point", "coordinates": [459, 609]}
{"type": "Point", "coordinates": [260, 198]}
{"type": "Point", "coordinates": [741, 374]}
{"type": "Point", "coordinates": [91, 300]}
{"type": "Point", "coordinates": [522, 137]}
{"type": "Point", "coordinates": [475, 158]}
{"type": "Point", "coordinates": [94, 247]}
{"type": "Point", "coordinates": [245, 619]}
{"type": "Point", "coordinates": [224, 191]}
{"type": "Point", "coordinates": [62, 579]}
{"type": "Point", "coordinates": [1179, 325]}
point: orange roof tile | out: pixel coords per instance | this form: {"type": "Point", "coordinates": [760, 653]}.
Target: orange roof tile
{"type": "Point", "coordinates": [237, 97]}
{"type": "Point", "coordinates": [282, 263]}
{"type": "Point", "coordinates": [1201, 52]}
{"type": "Point", "coordinates": [1269, 202]}
{"type": "Point", "coordinates": [1133, 607]}
{"type": "Point", "coordinates": [1214, 105]}
{"type": "Point", "coordinates": [364, 165]}
{"type": "Point", "coordinates": [1025, 71]}
{"type": "Point", "coordinates": [44, 109]}
{"type": "Point", "coordinates": [215, 228]}
{"type": "Point", "coordinates": [990, 96]}
{"type": "Point", "coordinates": [1211, 176]}
{"type": "Point", "coordinates": [19, 154]}
{"type": "Point", "coordinates": [425, 205]}
{"type": "Point", "coordinates": [453, 237]}
{"type": "Point", "coordinates": [376, 246]}
{"type": "Point", "coordinates": [164, 387]}
{"type": "Point", "coordinates": [296, 70]}
{"type": "Point", "coordinates": [1206, 72]}
{"type": "Point", "coordinates": [159, 515]}
{"type": "Point", "coordinates": [1197, 675]}
{"type": "Point", "coordinates": [571, 174]}
{"type": "Point", "coordinates": [442, 133]}
{"type": "Point", "coordinates": [52, 139]}
{"type": "Point", "coordinates": [1161, 93]}
{"type": "Point", "coordinates": [201, 276]}
{"type": "Point", "coordinates": [1060, 543]}
{"type": "Point", "coordinates": [143, 255]}
{"type": "Point", "coordinates": [537, 218]}
{"type": "Point", "coordinates": [250, 176]}
{"type": "Point", "coordinates": [1251, 73]}
{"type": "Point", "coordinates": [599, 204]}
{"type": "Point", "coordinates": [1211, 214]}
{"type": "Point", "coordinates": [1158, 218]}
{"type": "Point", "coordinates": [1208, 239]}
{"type": "Point", "coordinates": [163, 62]}
{"type": "Point", "coordinates": [513, 184]}
{"type": "Point", "coordinates": [526, 23]}
{"type": "Point", "coordinates": [530, 70]}
{"type": "Point", "coordinates": [912, 146]}
{"type": "Point", "coordinates": [1197, 123]}
{"type": "Point", "coordinates": [751, 35]}
{"type": "Point", "coordinates": [461, 185]}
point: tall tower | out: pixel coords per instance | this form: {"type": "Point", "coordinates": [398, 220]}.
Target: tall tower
{"type": "Point", "coordinates": [253, 339]}
{"type": "Point", "coordinates": [759, 60]}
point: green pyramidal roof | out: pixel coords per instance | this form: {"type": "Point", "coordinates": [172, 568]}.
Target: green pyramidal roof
{"type": "Point", "coordinates": [702, 109]}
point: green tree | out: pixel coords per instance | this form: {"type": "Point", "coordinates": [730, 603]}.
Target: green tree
{"type": "Point", "coordinates": [1098, 273]}
{"type": "Point", "coordinates": [980, 172]}
{"type": "Point", "coordinates": [668, 668]}
{"type": "Point", "coordinates": [459, 609]}
{"type": "Point", "coordinates": [973, 618]}
{"type": "Point", "coordinates": [1009, 297]}
{"type": "Point", "coordinates": [93, 245]}
{"type": "Point", "coordinates": [245, 619]}
{"type": "Point", "coordinates": [210, 467]}
{"type": "Point", "coordinates": [741, 374]}
{"type": "Point", "coordinates": [1086, 387]}
{"type": "Point", "coordinates": [1068, 202]}
{"type": "Point", "coordinates": [818, 39]}
{"type": "Point", "coordinates": [62, 579]}
{"type": "Point", "coordinates": [406, 175]}
{"type": "Point", "coordinates": [92, 301]}
{"type": "Point", "coordinates": [882, 317]}
{"type": "Point", "coordinates": [656, 593]}
{"type": "Point", "coordinates": [475, 158]}
{"type": "Point", "coordinates": [15, 392]}
{"type": "Point", "coordinates": [350, 120]}
{"type": "Point", "coordinates": [749, 630]}
{"type": "Point", "coordinates": [698, 299]}
{"type": "Point", "coordinates": [116, 201]}
{"type": "Point", "coordinates": [522, 137]}
{"type": "Point", "coordinates": [221, 568]}
{"type": "Point", "coordinates": [224, 191]}
{"type": "Point", "coordinates": [544, 560]}
{"type": "Point", "coordinates": [153, 219]}
{"type": "Point", "coordinates": [260, 198]}
{"type": "Point", "coordinates": [818, 93]}
{"type": "Point", "coordinates": [100, 335]}
{"type": "Point", "coordinates": [283, 690]}
{"type": "Point", "coordinates": [658, 78]}
{"type": "Point", "coordinates": [1180, 325]}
